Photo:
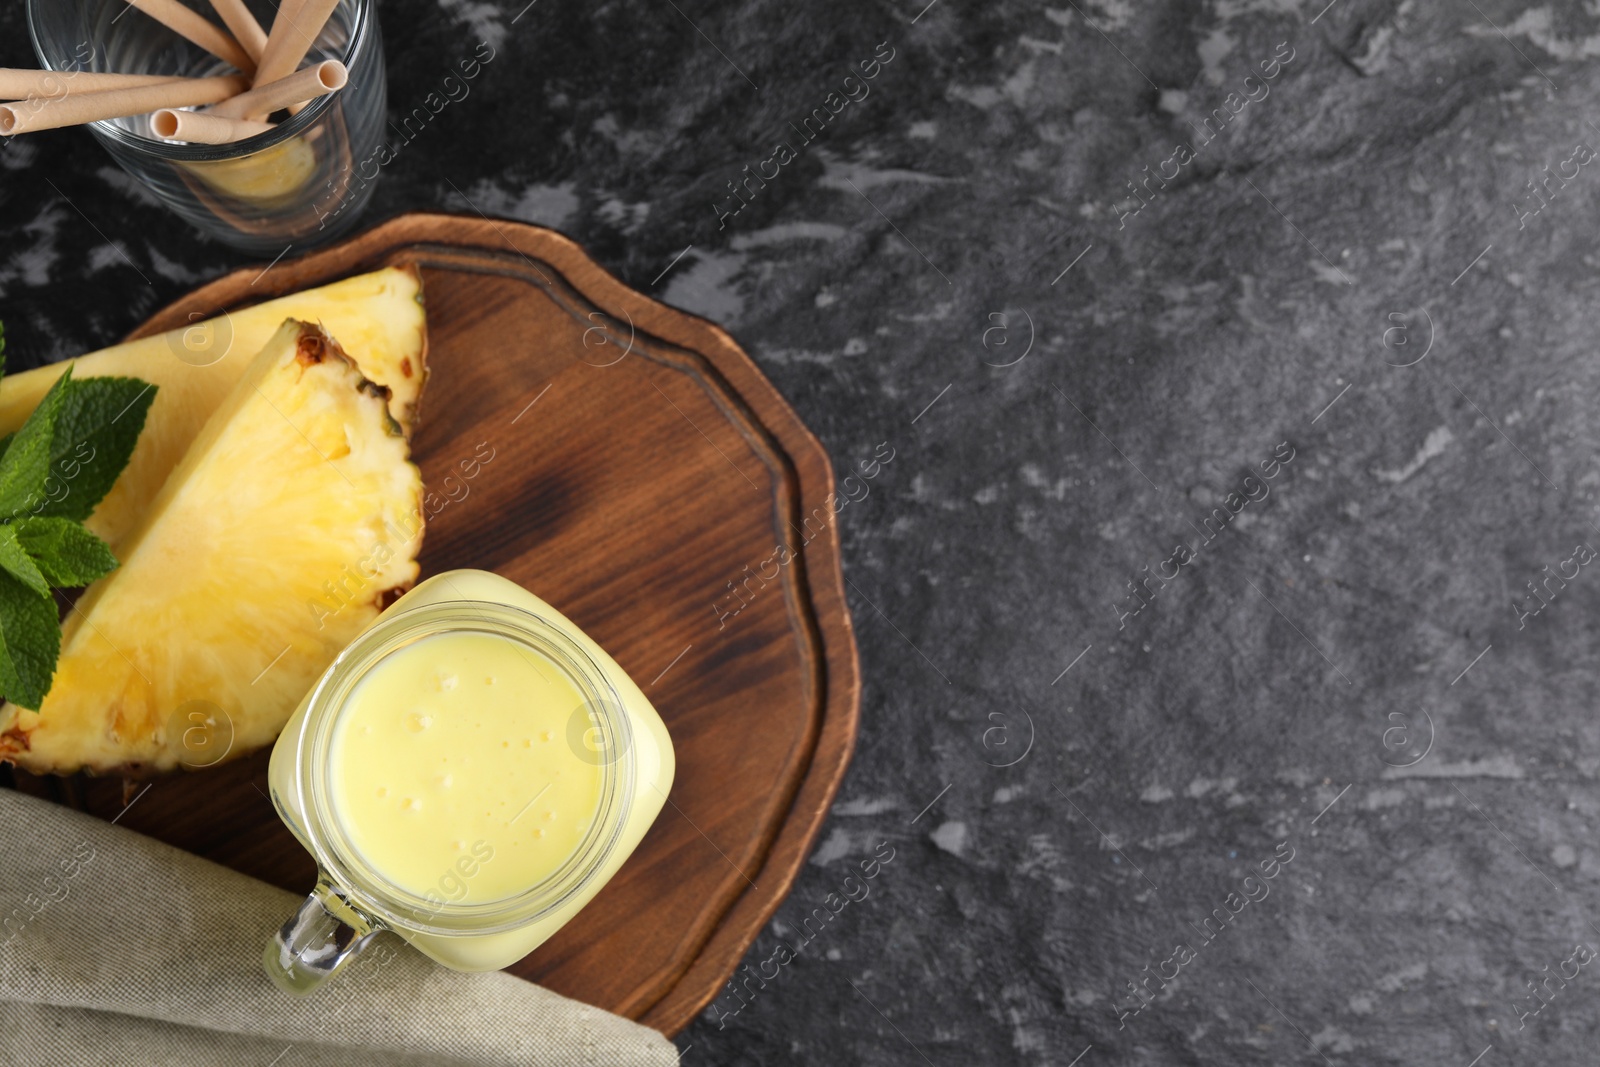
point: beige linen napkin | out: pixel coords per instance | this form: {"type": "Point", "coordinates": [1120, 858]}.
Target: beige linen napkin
{"type": "Point", "coordinates": [124, 950]}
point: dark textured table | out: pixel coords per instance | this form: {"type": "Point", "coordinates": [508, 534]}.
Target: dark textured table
{"type": "Point", "coordinates": [1224, 611]}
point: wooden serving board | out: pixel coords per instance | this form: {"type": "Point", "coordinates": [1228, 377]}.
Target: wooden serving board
{"type": "Point", "coordinates": [640, 463]}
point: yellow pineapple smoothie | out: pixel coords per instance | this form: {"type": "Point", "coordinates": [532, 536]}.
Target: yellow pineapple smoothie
{"type": "Point", "coordinates": [468, 773]}
{"type": "Point", "coordinates": [451, 771]}
{"type": "Point", "coordinates": [274, 173]}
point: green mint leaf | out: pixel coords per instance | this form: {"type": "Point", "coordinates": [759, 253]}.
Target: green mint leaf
{"type": "Point", "coordinates": [66, 554]}
{"type": "Point", "coordinates": [95, 433]}
{"type": "Point", "coordinates": [26, 464]}
{"type": "Point", "coordinates": [5, 442]}
{"type": "Point", "coordinates": [14, 558]}
{"type": "Point", "coordinates": [30, 643]}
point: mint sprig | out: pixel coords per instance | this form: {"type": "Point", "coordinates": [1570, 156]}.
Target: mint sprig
{"type": "Point", "coordinates": [25, 467]}
{"type": "Point", "coordinates": [53, 472]}
{"type": "Point", "coordinates": [30, 643]}
{"type": "Point", "coordinates": [21, 566]}
{"type": "Point", "coordinates": [66, 554]}
{"type": "Point", "coordinates": [92, 440]}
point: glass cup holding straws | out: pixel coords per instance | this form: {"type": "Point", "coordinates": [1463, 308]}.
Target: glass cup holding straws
{"type": "Point", "coordinates": [245, 120]}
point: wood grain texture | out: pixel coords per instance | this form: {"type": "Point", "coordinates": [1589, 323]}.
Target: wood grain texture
{"type": "Point", "coordinates": [641, 464]}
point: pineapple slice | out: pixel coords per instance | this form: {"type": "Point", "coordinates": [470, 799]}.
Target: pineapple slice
{"type": "Point", "coordinates": [223, 613]}
{"type": "Point", "coordinates": [378, 316]}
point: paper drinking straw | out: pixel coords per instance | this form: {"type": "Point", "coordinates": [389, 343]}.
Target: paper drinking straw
{"type": "Point", "coordinates": [199, 128]}
{"type": "Point", "coordinates": [282, 22]}
{"type": "Point", "coordinates": [76, 108]}
{"type": "Point", "coordinates": [294, 31]}
{"type": "Point", "coordinates": [302, 85]}
{"type": "Point", "coordinates": [246, 30]}
{"type": "Point", "coordinates": [194, 27]}
{"type": "Point", "coordinates": [19, 84]}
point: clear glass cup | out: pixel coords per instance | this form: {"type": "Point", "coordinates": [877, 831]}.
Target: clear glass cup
{"type": "Point", "coordinates": [295, 186]}
{"type": "Point", "coordinates": [615, 729]}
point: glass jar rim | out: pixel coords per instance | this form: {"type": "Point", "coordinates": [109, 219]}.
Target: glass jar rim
{"type": "Point", "coordinates": [208, 153]}
{"type": "Point", "coordinates": [428, 913]}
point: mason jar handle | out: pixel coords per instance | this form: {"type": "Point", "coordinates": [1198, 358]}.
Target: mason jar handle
{"type": "Point", "coordinates": [325, 933]}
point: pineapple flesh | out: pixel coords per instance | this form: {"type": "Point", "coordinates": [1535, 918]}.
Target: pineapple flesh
{"type": "Point", "coordinates": [377, 316]}
{"type": "Point", "coordinates": [219, 620]}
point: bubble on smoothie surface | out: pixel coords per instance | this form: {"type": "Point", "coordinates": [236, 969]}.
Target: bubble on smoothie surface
{"type": "Point", "coordinates": [418, 721]}
{"type": "Point", "coordinates": [447, 681]}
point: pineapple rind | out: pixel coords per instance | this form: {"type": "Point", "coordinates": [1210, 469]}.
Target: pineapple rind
{"type": "Point", "coordinates": [271, 546]}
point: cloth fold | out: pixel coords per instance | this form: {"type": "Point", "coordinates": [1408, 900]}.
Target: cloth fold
{"type": "Point", "coordinates": [116, 948]}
